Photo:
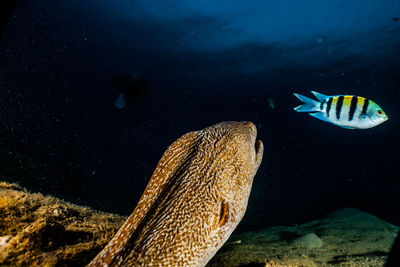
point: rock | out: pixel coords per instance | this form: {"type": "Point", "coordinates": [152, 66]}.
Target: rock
{"type": "Point", "coordinates": [37, 230]}
{"type": "Point", "coordinates": [308, 241]}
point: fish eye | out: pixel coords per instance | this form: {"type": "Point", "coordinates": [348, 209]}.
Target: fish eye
{"type": "Point", "coordinates": [379, 112]}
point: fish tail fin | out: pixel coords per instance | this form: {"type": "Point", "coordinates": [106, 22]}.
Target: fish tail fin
{"type": "Point", "coordinates": [310, 105]}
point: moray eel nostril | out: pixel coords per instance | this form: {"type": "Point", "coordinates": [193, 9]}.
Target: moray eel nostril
{"type": "Point", "coordinates": [194, 200]}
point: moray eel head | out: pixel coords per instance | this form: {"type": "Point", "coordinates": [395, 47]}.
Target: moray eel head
{"type": "Point", "coordinates": [194, 200]}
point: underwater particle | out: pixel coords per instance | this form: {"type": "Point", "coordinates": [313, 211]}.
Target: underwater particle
{"type": "Point", "coordinates": [395, 19]}
{"type": "Point", "coordinates": [271, 103]}
{"type": "Point", "coordinates": [319, 40]}
{"type": "Point", "coordinates": [187, 213]}
{"type": "Point", "coordinates": [236, 242]}
{"type": "Point", "coordinates": [120, 101]}
{"type": "Point", "coordinates": [346, 111]}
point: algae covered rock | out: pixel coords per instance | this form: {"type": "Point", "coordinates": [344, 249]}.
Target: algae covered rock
{"type": "Point", "coordinates": [39, 230]}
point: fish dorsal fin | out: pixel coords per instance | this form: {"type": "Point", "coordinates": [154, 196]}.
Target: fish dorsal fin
{"type": "Point", "coordinates": [319, 96]}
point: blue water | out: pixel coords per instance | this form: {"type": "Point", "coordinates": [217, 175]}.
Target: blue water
{"type": "Point", "coordinates": [202, 63]}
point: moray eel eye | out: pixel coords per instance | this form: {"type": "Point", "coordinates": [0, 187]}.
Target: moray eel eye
{"type": "Point", "coordinates": [252, 127]}
{"type": "Point", "coordinates": [379, 112]}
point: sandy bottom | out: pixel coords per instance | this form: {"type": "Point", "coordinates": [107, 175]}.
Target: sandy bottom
{"type": "Point", "coordinates": [347, 237]}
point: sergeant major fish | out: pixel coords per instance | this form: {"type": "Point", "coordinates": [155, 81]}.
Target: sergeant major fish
{"type": "Point", "coordinates": [196, 197]}
{"type": "Point", "coordinates": [347, 111]}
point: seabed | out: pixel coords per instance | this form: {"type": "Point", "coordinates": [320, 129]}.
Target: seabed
{"type": "Point", "coordinates": [38, 230]}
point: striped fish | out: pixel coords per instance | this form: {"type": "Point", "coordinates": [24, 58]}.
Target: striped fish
{"type": "Point", "coordinates": [347, 111]}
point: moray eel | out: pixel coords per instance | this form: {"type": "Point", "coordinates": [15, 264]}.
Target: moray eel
{"type": "Point", "coordinates": [195, 199]}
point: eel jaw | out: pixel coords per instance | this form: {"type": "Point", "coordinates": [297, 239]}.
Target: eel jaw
{"type": "Point", "coordinates": [259, 148]}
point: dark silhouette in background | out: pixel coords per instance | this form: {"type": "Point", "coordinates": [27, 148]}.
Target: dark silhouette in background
{"type": "Point", "coordinates": [6, 9]}
{"type": "Point", "coordinates": [130, 87]}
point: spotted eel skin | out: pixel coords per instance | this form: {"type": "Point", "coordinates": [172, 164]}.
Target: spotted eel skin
{"type": "Point", "coordinates": [195, 199]}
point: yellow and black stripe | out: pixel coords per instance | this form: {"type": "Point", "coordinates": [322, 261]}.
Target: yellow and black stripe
{"type": "Point", "coordinates": [328, 106]}
{"type": "Point", "coordinates": [339, 106]}
{"type": "Point", "coordinates": [353, 107]}
{"type": "Point", "coordinates": [345, 107]}
{"type": "Point", "coordinates": [365, 107]}
{"type": "Point", "coordinates": [332, 110]}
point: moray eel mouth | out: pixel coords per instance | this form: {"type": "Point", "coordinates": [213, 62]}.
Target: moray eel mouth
{"type": "Point", "coordinates": [258, 144]}
{"type": "Point", "coordinates": [259, 148]}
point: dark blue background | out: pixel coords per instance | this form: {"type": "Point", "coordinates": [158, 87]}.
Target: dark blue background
{"type": "Point", "coordinates": [204, 63]}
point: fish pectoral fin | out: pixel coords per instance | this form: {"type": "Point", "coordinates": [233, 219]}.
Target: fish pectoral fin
{"type": "Point", "coordinates": [348, 127]}
{"type": "Point", "coordinates": [222, 216]}
{"type": "Point", "coordinates": [320, 116]}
